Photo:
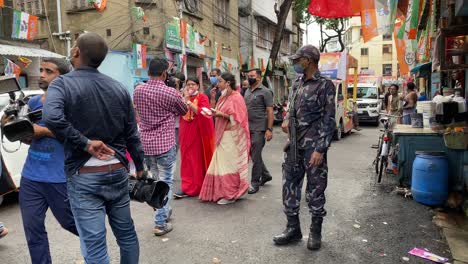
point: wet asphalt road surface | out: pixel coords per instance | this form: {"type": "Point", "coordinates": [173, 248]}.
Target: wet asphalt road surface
{"type": "Point", "coordinates": [366, 222]}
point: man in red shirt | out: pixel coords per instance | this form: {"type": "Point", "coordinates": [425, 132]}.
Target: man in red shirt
{"type": "Point", "coordinates": [157, 106]}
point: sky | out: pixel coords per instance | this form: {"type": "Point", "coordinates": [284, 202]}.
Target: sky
{"type": "Point", "coordinates": [313, 34]}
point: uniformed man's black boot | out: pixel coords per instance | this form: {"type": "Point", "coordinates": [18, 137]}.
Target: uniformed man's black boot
{"type": "Point", "coordinates": [315, 236]}
{"type": "Point", "coordinates": [292, 233]}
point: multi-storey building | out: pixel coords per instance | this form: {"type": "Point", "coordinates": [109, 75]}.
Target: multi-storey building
{"type": "Point", "coordinates": [257, 31]}
{"type": "Point", "coordinates": [146, 22]}
{"type": "Point", "coordinates": [377, 56]}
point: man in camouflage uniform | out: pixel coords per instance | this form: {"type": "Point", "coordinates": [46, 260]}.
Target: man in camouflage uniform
{"type": "Point", "coordinates": [312, 113]}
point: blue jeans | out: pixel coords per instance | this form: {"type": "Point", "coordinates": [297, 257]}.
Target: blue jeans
{"type": "Point", "coordinates": [35, 198]}
{"type": "Point", "coordinates": [406, 120]}
{"type": "Point", "coordinates": [92, 196]}
{"type": "Point", "coordinates": [162, 167]}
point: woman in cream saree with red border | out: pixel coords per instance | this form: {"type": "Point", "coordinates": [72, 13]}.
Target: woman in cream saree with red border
{"type": "Point", "coordinates": [226, 178]}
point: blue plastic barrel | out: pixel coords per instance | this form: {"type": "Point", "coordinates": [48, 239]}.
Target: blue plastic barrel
{"type": "Point", "coordinates": [429, 183]}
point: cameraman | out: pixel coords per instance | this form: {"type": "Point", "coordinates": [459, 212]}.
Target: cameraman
{"type": "Point", "coordinates": [158, 105]}
{"type": "Point", "coordinates": [43, 181]}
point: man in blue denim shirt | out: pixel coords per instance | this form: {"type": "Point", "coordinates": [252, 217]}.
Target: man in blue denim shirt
{"type": "Point", "coordinates": [93, 116]}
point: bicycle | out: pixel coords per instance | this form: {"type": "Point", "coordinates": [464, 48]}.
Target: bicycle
{"type": "Point", "coordinates": [384, 147]}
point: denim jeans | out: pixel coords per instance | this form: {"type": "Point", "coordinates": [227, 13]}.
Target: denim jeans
{"type": "Point", "coordinates": [162, 167]}
{"type": "Point", "coordinates": [35, 199]}
{"type": "Point", "coordinates": [406, 120]}
{"type": "Point", "coordinates": [92, 196]}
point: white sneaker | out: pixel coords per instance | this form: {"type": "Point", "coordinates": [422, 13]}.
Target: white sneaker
{"type": "Point", "coordinates": [226, 201]}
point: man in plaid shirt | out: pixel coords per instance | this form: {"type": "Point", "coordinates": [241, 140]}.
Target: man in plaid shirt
{"type": "Point", "coordinates": [157, 106]}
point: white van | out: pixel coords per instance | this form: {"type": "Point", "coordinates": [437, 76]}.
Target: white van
{"type": "Point", "coordinates": [368, 102]}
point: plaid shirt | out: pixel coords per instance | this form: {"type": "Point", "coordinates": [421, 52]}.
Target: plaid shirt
{"type": "Point", "coordinates": [157, 106]}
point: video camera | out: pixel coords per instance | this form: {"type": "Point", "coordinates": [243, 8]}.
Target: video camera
{"type": "Point", "coordinates": [148, 190]}
{"type": "Point", "coordinates": [20, 120]}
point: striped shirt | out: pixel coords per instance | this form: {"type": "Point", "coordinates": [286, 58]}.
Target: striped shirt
{"type": "Point", "coordinates": [157, 106]}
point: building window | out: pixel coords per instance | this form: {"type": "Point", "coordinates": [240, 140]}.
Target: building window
{"type": "Point", "coordinates": [262, 36]}
{"type": "Point", "coordinates": [33, 7]}
{"type": "Point", "coordinates": [108, 32]}
{"type": "Point", "coordinates": [360, 33]}
{"type": "Point", "coordinates": [146, 30]}
{"type": "Point", "coordinates": [222, 11]}
{"type": "Point", "coordinates": [364, 51]}
{"type": "Point", "coordinates": [77, 5]}
{"type": "Point", "coordinates": [387, 70]}
{"type": "Point", "coordinates": [387, 37]}
{"type": "Point", "coordinates": [387, 49]}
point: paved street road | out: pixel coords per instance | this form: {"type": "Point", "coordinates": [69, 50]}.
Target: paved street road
{"type": "Point", "coordinates": [242, 232]}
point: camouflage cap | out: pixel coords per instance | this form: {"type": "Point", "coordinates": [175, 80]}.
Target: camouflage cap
{"type": "Point", "coordinates": [308, 51]}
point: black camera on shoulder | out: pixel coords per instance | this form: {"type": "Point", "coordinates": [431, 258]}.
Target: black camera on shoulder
{"type": "Point", "coordinates": [20, 120]}
{"type": "Point", "coordinates": [148, 190]}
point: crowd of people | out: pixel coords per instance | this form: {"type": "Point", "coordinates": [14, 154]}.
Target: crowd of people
{"type": "Point", "coordinates": [78, 159]}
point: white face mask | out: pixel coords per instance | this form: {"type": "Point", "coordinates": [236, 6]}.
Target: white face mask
{"type": "Point", "coordinates": [224, 92]}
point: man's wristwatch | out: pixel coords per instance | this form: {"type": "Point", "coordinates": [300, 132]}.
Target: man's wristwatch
{"type": "Point", "coordinates": [270, 129]}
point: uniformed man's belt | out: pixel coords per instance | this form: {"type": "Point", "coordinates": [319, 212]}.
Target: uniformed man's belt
{"type": "Point", "coordinates": [103, 168]}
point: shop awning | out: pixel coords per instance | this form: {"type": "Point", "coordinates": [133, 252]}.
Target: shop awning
{"type": "Point", "coordinates": [27, 52]}
{"type": "Point", "coordinates": [423, 69]}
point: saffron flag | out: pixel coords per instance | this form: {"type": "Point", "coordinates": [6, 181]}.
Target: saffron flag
{"type": "Point", "coordinates": [377, 17]}
{"type": "Point", "coordinates": [140, 55]}
{"type": "Point", "coordinates": [100, 5]}
{"type": "Point", "coordinates": [2, 3]}
{"type": "Point", "coordinates": [183, 31]}
{"type": "Point", "coordinates": [252, 62]}
{"type": "Point", "coordinates": [32, 29]}
{"type": "Point", "coordinates": [400, 45]}
{"type": "Point", "coordinates": [11, 68]}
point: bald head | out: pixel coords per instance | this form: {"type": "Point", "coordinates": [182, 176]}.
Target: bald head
{"type": "Point", "coordinates": [92, 49]}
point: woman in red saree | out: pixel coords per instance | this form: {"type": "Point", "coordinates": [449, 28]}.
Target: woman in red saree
{"type": "Point", "coordinates": [226, 179]}
{"type": "Point", "coordinates": [196, 139]}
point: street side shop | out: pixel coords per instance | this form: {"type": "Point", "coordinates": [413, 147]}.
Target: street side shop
{"type": "Point", "coordinates": [439, 131]}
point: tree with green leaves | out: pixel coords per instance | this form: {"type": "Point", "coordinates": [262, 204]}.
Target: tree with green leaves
{"type": "Point", "coordinates": [334, 24]}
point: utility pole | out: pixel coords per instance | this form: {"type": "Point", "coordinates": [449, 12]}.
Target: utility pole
{"type": "Point", "coordinates": [62, 35]}
{"type": "Point", "coordinates": [184, 53]}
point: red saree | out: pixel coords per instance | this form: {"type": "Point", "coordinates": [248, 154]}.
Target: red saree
{"type": "Point", "coordinates": [196, 139]}
{"type": "Point", "coordinates": [227, 174]}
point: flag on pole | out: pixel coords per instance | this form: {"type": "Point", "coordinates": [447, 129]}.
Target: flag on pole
{"type": "Point", "coordinates": [11, 68]}
{"type": "Point", "coordinates": [183, 31]}
{"type": "Point", "coordinates": [252, 62]}
{"type": "Point", "coordinates": [140, 55]}
{"type": "Point", "coordinates": [412, 18]}
{"type": "Point", "coordinates": [239, 59]}
{"type": "Point", "coordinates": [2, 3]}
{"type": "Point", "coordinates": [262, 65]}
{"type": "Point", "coordinates": [24, 26]}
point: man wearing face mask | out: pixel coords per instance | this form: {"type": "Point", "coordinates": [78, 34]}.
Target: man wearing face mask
{"type": "Point", "coordinates": [312, 107]}
{"type": "Point", "coordinates": [213, 89]}
{"type": "Point", "coordinates": [259, 102]}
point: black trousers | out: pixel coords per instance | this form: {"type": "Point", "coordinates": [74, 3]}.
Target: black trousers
{"type": "Point", "coordinates": [259, 170]}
